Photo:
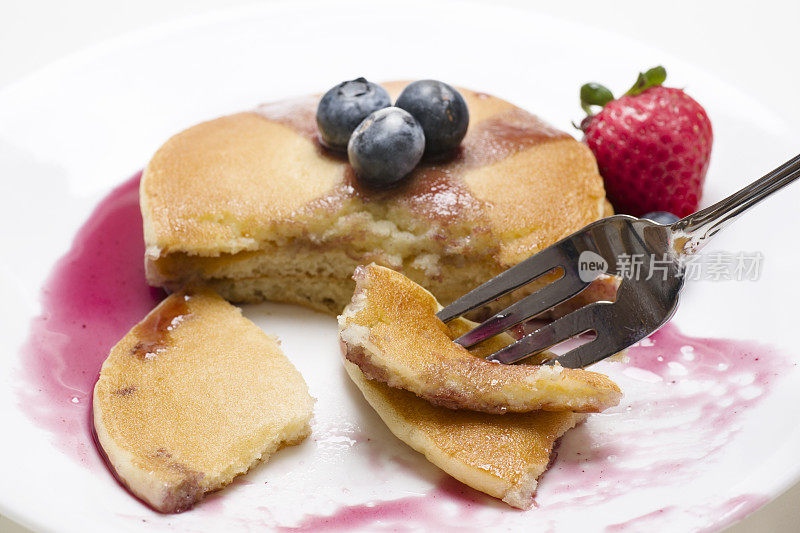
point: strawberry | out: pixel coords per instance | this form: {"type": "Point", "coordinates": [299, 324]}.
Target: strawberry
{"type": "Point", "coordinates": [652, 145]}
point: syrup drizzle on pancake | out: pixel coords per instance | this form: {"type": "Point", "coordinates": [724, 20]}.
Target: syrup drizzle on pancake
{"type": "Point", "coordinates": [300, 114]}
{"type": "Point", "coordinates": [438, 190]}
{"type": "Point", "coordinates": [154, 331]}
{"type": "Point", "coordinates": [435, 189]}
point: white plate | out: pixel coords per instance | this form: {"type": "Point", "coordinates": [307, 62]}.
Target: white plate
{"type": "Point", "coordinates": [77, 129]}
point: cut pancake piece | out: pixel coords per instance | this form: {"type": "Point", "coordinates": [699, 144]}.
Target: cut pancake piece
{"type": "Point", "coordinates": [193, 396]}
{"type": "Point", "coordinates": [500, 455]}
{"type": "Point", "coordinates": [390, 330]}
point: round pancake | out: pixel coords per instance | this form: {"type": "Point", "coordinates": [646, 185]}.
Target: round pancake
{"type": "Point", "coordinates": [228, 185]}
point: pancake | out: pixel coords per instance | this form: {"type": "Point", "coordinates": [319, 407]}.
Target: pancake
{"type": "Point", "coordinates": [501, 455]}
{"type": "Point", "coordinates": [251, 205]}
{"type": "Point", "coordinates": [193, 396]}
{"type": "Point", "coordinates": [390, 330]}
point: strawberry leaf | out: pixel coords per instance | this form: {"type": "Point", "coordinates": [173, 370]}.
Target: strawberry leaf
{"type": "Point", "coordinates": [651, 78]}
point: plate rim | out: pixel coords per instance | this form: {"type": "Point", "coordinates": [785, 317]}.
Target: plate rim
{"type": "Point", "coordinates": [136, 37]}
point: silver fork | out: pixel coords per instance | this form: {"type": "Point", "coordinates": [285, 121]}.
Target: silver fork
{"type": "Point", "coordinates": [643, 303]}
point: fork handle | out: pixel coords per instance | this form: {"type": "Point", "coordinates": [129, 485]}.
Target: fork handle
{"type": "Point", "coordinates": [691, 233]}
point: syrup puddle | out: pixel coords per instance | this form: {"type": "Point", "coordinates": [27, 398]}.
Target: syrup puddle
{"type": "Point", "coordinates": [684, 400]}
{"type": "Point", "coordinates": [94, 295]}
{"type": "Point", "coordinates": [427, 510]}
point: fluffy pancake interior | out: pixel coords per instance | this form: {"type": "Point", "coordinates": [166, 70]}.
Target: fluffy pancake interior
{"type": "Point", "coordinates": [193, 396]}
{"type": "Point", "coordinates": [393, 335]}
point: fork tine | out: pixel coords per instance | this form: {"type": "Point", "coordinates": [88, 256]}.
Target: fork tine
{"type": "Point", "coordinates": [543, 299]}
{"type": "Point", "coordinates": [609, 340]}
{"type": "Point", "coordinates": [513, 278]}
{"type": "Point", "coordinates": [550, 334]}
{"type": "Point", "coordinates": [591, 352]}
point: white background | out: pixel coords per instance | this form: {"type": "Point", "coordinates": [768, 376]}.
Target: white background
{"type": "Point", "coordinates": [752, 45]}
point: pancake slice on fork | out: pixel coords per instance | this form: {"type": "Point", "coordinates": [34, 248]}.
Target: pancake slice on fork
{"type": "Point", "coordinates": [390, 330]}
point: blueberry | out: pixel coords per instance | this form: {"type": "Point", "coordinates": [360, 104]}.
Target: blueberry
{"type": "Point", "coordinates": [440, 110]}
{"type": "Point", "coordinates": [343, 108]}
{"type": "Point", "coordinates": [661, 217]}
{"type": "Point", "coordinates": [386, 147]}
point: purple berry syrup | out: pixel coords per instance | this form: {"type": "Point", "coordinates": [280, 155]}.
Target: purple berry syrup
{"type": "Point", "coordinates": [97, 292]}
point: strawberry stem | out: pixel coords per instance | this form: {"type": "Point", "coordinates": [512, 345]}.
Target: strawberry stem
{"type": "Point", "coordinates": [651, 78]}
{"type": "Point", "coordinates": [596, 95]}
